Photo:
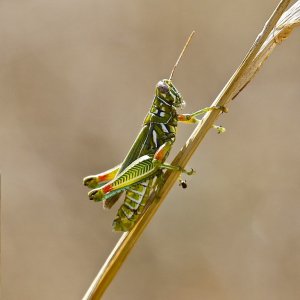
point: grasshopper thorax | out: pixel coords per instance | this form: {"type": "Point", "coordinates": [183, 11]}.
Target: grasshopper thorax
{"type": "Point", "coordinates": [166, 91]}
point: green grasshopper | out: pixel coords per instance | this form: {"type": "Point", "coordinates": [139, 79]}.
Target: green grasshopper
{"type": "Point", "coordinates": [142, 169]}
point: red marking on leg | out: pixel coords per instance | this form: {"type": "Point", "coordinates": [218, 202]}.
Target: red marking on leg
{"type": "Point", "coordinates": [181, 118]}
{"type": "Point", "coordinates": [102, 178]}
{"type": "Point", "coordinates": [107, 188]}
{"type": "Point", "coordinates": [159, 155]}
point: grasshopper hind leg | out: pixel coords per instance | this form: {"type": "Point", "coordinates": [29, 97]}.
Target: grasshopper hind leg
{"type": "Point", "coordinates": [94, 181]}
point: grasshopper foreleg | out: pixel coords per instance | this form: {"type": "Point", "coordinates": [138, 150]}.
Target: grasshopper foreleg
{"type": "Point", "coordinates": [191, 118]}
{"type": "Point", "coordinates": [219, 128]}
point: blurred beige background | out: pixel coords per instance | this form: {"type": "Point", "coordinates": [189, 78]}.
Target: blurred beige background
{"type": "Point", "coordinates": [77, 78]}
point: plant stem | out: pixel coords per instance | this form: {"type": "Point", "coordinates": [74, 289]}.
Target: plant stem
{"type": "Point", "coordinates": [231, 89]}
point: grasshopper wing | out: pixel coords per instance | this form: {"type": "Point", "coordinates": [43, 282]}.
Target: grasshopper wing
{"type": "Point", "coordinates": [137, 150]}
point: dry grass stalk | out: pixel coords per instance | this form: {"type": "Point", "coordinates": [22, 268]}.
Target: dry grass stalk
{"type": "Point", "coordinates": [288, 21]}
{"type": "Point", "coordinates": [277, 28]}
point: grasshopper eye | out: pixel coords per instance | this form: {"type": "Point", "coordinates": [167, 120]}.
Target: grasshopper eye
{"type": "Point", "coordinates": [162, 87]}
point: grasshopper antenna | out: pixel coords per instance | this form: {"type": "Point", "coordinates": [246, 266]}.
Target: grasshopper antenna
{"type": "Point", "coordinates": [183, 50]}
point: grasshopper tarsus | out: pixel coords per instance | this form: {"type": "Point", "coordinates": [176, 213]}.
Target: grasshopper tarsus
{"type": "Point", "coordinates": [183, 184]}
{"type": "Point", "coordinates": [223, 109]}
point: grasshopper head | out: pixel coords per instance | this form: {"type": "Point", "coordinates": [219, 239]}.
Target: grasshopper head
{"type": "Point", "coordinates": [168, 92]}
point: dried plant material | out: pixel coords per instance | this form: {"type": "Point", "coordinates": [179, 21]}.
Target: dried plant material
{"type": "Point", "coordinates": [277, 28]}
{"type": "Point", "coordinates": [288, 21]}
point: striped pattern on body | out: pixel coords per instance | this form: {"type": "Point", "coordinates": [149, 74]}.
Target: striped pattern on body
{"type": "Point", "coordinates": [133, 206]}
{"type": "Point", "coordinates": [139, 170]}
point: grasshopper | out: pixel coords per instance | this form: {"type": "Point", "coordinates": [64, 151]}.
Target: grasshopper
{"type": "Point", "coordinates": [142, 169]}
